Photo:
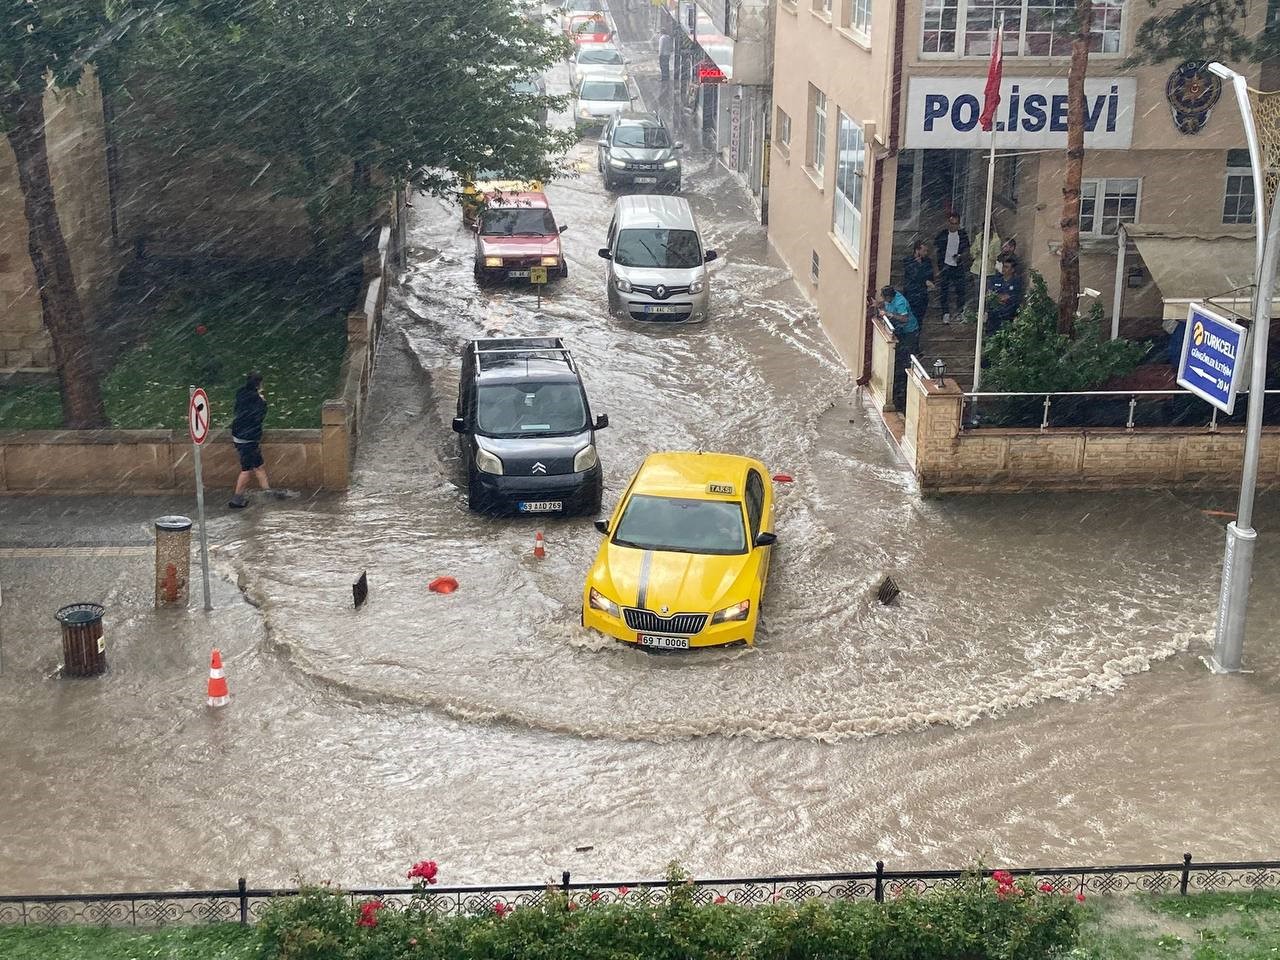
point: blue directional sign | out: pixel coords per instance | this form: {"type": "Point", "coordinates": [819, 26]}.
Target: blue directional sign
{"type": "Point", "coordinates": [1212, 360]}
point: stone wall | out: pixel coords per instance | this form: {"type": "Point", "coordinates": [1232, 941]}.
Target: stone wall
{"type": "Point", "coordinates": [948, 459]}
{"type": "Point", "coordinates": [78, 167]}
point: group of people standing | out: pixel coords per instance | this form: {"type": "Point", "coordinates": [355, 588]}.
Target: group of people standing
{"type": "Point", "coordinates": [948, 269]}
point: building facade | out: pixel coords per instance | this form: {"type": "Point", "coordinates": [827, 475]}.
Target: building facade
{"type": "Point", "coordinates": [877, 140]}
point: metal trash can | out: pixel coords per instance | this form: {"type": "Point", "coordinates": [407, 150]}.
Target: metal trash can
{"type": "Point", "coordinates": [84, 649]}
{"type": "Point", "coordinates": [173, 560]}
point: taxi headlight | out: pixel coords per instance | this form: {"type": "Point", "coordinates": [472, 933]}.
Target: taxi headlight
{"type": "Point", "coordinates": [739, 611]}
{"type": "Point", "coordinates": [622, 286]}
{"type": "Point", "coordinates": [486, 462]}
{"type": "Point", "coordinates": [615, 162]}
{"type": "Point", "coordinates": [551, 261]}
{"type": "Point", "coordinates": [602, 603]}
{"type": "Point", "coordinates": [585, 458]}
{"type": "Point", "coordinates": [697, 286]}
{"type": "Point", "coordinates": [493, 261]}
{"type": "Point", "coordinates": [671, 164]}
{"type": "Point", "coordinates": [584, 113]}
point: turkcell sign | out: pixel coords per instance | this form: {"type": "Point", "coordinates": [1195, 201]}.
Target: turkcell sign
{"type": "Point", "coordinates": [942, 112]}
{"type": "Point", "coordinates": [1212, 357]}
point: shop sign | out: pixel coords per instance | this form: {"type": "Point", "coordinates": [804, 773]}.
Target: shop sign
{"type": "Point", "coordinates": [942, 113]}
{"type": "Point", "coordinates": [710, 73]}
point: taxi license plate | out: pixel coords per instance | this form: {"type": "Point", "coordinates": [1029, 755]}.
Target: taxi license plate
{"type": "Point", "coordinates": [518, 274]}
{"type": "Point", "coordinates": [659, 642]}
{"type": "Point", "coordinates": [646, 179]}
{"type": "Point", "coordinates": [663, 308]}
{"type": "Point", "coordinates": [541, 506]}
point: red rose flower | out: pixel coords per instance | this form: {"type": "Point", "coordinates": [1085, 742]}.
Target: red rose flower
{"type": "Point", "coordinates": [573, 905]}
{"type": "Point", "coordinates": [623, 891]}
{"type": "Point", "coordinates": [1079, 898]}
{"type": "Point", "coordinates": [595, 895]}
{"type": "Point", "coordinates": [424, 870]}
{"type": "Point", "coordinates": [1003, 877]}
{"type": "Point", "coordinates": [201, 329]}
{"type": "Point", "coordinates": [1046, 888]}
{"type": "Point", "coordinates": [720, 899]}
{"type": "Point", "coordinates": [500, 909]}
{"type": "Point", "coordinates": [369, 913]}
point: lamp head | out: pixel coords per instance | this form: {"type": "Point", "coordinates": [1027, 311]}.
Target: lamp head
{"type": "Point", "coordinates": [1218, 70]}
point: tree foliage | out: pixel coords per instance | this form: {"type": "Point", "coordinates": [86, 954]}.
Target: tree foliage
{"type": "Point", "coordinates": [1202, 30]}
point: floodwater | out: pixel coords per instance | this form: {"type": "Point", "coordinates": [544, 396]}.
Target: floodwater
{"type": "Point", "coordinates": [1037, 696]}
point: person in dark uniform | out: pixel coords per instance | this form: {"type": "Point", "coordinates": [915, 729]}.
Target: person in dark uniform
{"type": "Point", "coordinates": [1004, 294]}
{"type": "Point", "coordinates": [917, 279]}
{"type": "Point", "coordinates": [246, 434]}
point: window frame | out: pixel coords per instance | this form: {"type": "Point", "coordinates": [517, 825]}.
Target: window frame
{"type": "Point", "coordinates": [855, 16]}
{"type": "Point", "coordinates": [1017, 43]}
{"type": "Point", "coordinates": [784, 129]}
{"type": "Point", "coordinates": [849, 200]}
{"type": "Point", "coordinates": [818, 119]}
{"type": "Point", "coordinates": [1246, 174]}
{"type": "Point", "coordinates": [754, 502]}
{"type": "Point", "coordinates": [1099, 201]}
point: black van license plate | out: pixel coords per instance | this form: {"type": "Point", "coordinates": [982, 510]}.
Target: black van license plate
{"type": "Point", "coordinates": [541, 506]}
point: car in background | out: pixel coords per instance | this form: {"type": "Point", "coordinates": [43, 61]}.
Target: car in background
{"type": "Point", "coordinates": [686, 555]}
{"type": "Point", "coordinates": [526, 429]}
{"type": "Point", "coordinates": [490, 185]}
{"type": "Point", "coordinates": [637, 150]}
{"type": "Point", "coordinates": [571, 8]}
{"type": "Point", "coordinates": [596, 59]}
{"type": "Point", "coordinates": [599, 99]}
{"type": "Point", "coordinates": [516, 233]}
{"type": "Point", "coordinates": [591, 28]}
{"type": "Point", "coordinates": [533, 87]}
{"type": "Point", "coordinates": [657, 261]}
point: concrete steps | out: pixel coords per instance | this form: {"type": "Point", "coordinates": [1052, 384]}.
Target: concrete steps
{"type": "Point", "coordinates": [953, 344]}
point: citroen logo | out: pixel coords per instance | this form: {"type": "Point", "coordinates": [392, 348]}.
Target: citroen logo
{"type": "Point", "coordinates": [660, 292]}
{"type": "Point", "coordinates": [539, 467]}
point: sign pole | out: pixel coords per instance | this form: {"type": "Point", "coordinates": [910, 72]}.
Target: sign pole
{"type": "Point", "coordinates": [998, 51]}
{"type": "Point", "coordinates": [1237, 564]}
{"type": "Point", "coordinates": [195, 447]}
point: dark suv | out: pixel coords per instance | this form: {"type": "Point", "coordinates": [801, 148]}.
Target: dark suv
{"type": "Point", "coordinates": [528, 437]}
{"type": "Point", "coordinates": [636, 150]}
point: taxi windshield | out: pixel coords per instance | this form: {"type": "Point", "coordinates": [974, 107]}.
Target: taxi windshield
{"type": "Point", "coordinates": [530, 409]}
{"type": "Point", "coordinates": [680, 525]}
{"type": "Point", "coordinates": [518, 222]}
{"type": "Point", "coordinates": [604, 90]}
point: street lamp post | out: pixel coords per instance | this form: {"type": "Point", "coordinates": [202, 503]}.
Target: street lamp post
{"type": "Point", "coordinates": [1237, 565]}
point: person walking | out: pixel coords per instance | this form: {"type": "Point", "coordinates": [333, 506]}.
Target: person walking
{"type": "Point", "coordinates": [664, 54]}
{"type": "Point", "coordinates": [906, 327]}
{"type": "Point", "coordinates": [246, 434]}
{"type": "Point", "coordinates": [917, 280]}
{"type": "Point", "coordinates": [951, 247]}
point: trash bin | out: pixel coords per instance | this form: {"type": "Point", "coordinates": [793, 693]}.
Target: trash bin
{"type": "Point", "coordinates": [84, 649]}
{"type": "Point", "coordinates": [173, 560]}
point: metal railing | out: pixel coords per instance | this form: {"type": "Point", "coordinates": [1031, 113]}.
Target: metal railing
{"type": "Point", "coordinates": [1097, 405]}
{"type": "Point", "coordinates": [243, 904]}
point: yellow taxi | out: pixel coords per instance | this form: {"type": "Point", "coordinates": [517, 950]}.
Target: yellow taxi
{"type": "Point", "coordinates": [686, 555]}
{"type": "Point", "coordinates": [491, 183]}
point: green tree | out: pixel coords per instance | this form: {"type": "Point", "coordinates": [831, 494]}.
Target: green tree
{"type": "Point", "coordinates": [44, 44]}
{"type": "Point", "coordinates": [328, 101]}
{"type": "Point", "coordinates": [1203, 30]}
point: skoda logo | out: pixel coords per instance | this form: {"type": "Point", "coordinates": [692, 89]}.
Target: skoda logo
{"type": "Point", "coordinates": [665, 608]}
{"type": "Point", "coordinates": [660, 292]}
{"type": "Point", "coordinates": [539, 467]}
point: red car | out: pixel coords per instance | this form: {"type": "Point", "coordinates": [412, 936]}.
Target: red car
{"type": "Point", "coordinates": [514, 233]}
{"type": "Point", "coordinates": [590, 28]}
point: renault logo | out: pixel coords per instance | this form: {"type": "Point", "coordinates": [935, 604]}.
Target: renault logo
{"type": "Point", "coordinates": [660, 292]}
{"type": "Point", "coordinates": [539, 467]}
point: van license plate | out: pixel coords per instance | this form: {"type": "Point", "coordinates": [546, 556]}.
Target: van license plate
{"type": "Point", "coordinates": [646, 179]}
{"type": "Point", "coordinates": [518, 274]}
{"type": "Point", "coordinates": [541, 506]}
{"type": "Point", "coordinates": [662, 308]}
{"type": "Point", "coordinates": [659, 642]}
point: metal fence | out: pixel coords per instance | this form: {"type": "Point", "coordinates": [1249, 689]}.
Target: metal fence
{"type": "Point", "coordinates": [244, 904]}
{"type": "Point", "coordinates": [1129, 409]}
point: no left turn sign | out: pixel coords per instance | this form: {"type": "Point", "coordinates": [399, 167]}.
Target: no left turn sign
{"type": "Point", "coordinates": [198, 416]}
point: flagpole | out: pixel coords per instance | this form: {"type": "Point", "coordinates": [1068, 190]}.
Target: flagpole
{"type": "Point", "coordinates": [986, 237]}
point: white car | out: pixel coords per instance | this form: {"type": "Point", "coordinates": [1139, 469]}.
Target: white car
{"type": "Point", "coordinates": [600, 98]}
{"type": "Point", "coordinates": [597, 60]}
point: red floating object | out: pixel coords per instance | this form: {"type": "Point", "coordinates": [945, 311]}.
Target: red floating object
{"type": "Point", "coordinates": [443, 585]}
{"type": "Point", "coordinates": [782, 478]}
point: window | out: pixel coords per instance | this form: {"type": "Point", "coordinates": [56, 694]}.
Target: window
{"type": "Point", "coordinates": [784, 128]}
{"type": "Point", "coordinates": [813, 266]}
{"type": "Point", "coordinates": [1105, 204]}
{"type": "Point", "coordinates": [847, 219]}
{"type": "Point", "coordinates": [855, 15]}
{"type": "Point", "coordinates": [1237, 207]}
{"type": "Point", "coordinates": [1033, 28]}
{"type": "Point", "coordinates": [755, 502]}
{"type": "Point", "coordinates": [818, 131]}
{"type": "Point", "coordinates": [1006, 180]}
{"type": "Point", "coordinates": [822, 7]}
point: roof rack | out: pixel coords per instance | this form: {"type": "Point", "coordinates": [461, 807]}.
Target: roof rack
{"type": "Point", "coordinates": [529, 348]}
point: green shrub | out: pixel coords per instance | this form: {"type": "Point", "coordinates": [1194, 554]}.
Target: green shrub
{"type": "Point", "coordinates": [977, 919]}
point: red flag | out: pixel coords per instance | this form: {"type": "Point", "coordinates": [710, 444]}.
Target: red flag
{"type": "Point", "coordinates": [991, 95]}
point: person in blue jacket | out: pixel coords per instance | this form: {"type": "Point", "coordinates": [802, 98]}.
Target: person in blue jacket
{"type": "Point", "coordinates": [906, 327]}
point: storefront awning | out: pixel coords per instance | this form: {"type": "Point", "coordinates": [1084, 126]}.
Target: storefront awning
{"type": "Point", "coordinates": [1187, 265]}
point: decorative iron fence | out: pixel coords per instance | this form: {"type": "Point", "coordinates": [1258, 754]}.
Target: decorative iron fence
{"type": "Point", "coordinates": [1129, 409]}
{"type": "Point", "coordinates": [243, 904]}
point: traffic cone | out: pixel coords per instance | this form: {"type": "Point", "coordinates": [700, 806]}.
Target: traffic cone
{"type": "Point", "coordinates": [539, 546]}
{"type": "Point", "coordinates": [218, 696]}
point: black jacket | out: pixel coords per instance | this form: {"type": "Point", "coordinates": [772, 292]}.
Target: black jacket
{"type": "Point", "coordinates": [251, 410]}
{"type": "Point", "coordinates": [915, 274]}
{"type": "Point", "coordinates": [940, 249]}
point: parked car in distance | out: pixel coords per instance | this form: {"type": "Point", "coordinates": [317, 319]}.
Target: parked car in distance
{"type": "Point", "coordinates": [571, 8]}
{"type": "Point", "coordinates": [686, 555]}
{"type": "Point", "coordinates": [591, 28]}
{"type": "Point", "coordinates": [526, 429]}
{"type": "Point", "coordinates": [534, 87]}
{"type": "Point", "coordinates": [657, 262]}
{"type": "Point", "coordinates": [516, 233]}
{"type": "Point", "coordinates": [596, 60]}
{"type": "Point", "coordinates": [601, 98]}
{"type": "Point", "coordinates": [636, 149]}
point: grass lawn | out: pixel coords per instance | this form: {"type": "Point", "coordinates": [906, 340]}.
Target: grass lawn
{"type": "Point", "coordinates": [211, 331]}
{"type": "Point", "coordinates": [224, 941]}
{"type": "Point", "coordinates": [1210, 926]}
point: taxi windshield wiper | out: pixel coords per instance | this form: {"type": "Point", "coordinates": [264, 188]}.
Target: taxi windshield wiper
{"type": "Point", "coordinates": [628, 543]}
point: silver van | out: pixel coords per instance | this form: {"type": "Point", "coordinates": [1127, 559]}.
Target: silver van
{"type": "Point", "coordinates": [657, 263]}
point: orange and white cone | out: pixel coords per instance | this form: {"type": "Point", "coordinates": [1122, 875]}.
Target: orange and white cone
{"type": "Point", "coordinates": [539, 546]}
{"type": "Point", "coordinates": [218, 696]}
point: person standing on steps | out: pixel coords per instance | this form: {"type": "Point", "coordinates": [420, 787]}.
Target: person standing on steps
{"type": "Point", "coordinates": [951, 247]}
{"type": "Point", "coordinates": [664, 54]}
{"type": "Point", "coordinates": [917, 279]}
{"type": "Point", "coordinates": [246, 434]}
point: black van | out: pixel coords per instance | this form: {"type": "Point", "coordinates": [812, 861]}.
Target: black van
{"type": "Point", "coordinates": [528, 437]}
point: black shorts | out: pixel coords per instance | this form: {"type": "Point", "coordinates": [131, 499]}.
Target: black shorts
{"type": "Point", "coordinates": [250, 455]}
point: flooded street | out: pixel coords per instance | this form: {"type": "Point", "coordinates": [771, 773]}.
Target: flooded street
{"type": "Point", "coordinates": [1036, 696]}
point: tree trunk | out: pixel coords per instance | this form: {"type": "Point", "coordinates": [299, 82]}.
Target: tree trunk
{"type": "Point", "coordinates": [59, 300]}
{"type": "Point", "coordinates": [1069, 284]}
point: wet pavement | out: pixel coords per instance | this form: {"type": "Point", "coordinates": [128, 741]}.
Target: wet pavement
{"type": "Point", "coordinates": [1036, 696]}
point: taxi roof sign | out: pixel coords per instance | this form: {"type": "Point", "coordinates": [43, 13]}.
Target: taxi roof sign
{"type": "Point", "coordinates": [724, 488]}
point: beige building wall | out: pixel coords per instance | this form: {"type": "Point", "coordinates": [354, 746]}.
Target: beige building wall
{"type": "Point", "coordinates": [78, 167]}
